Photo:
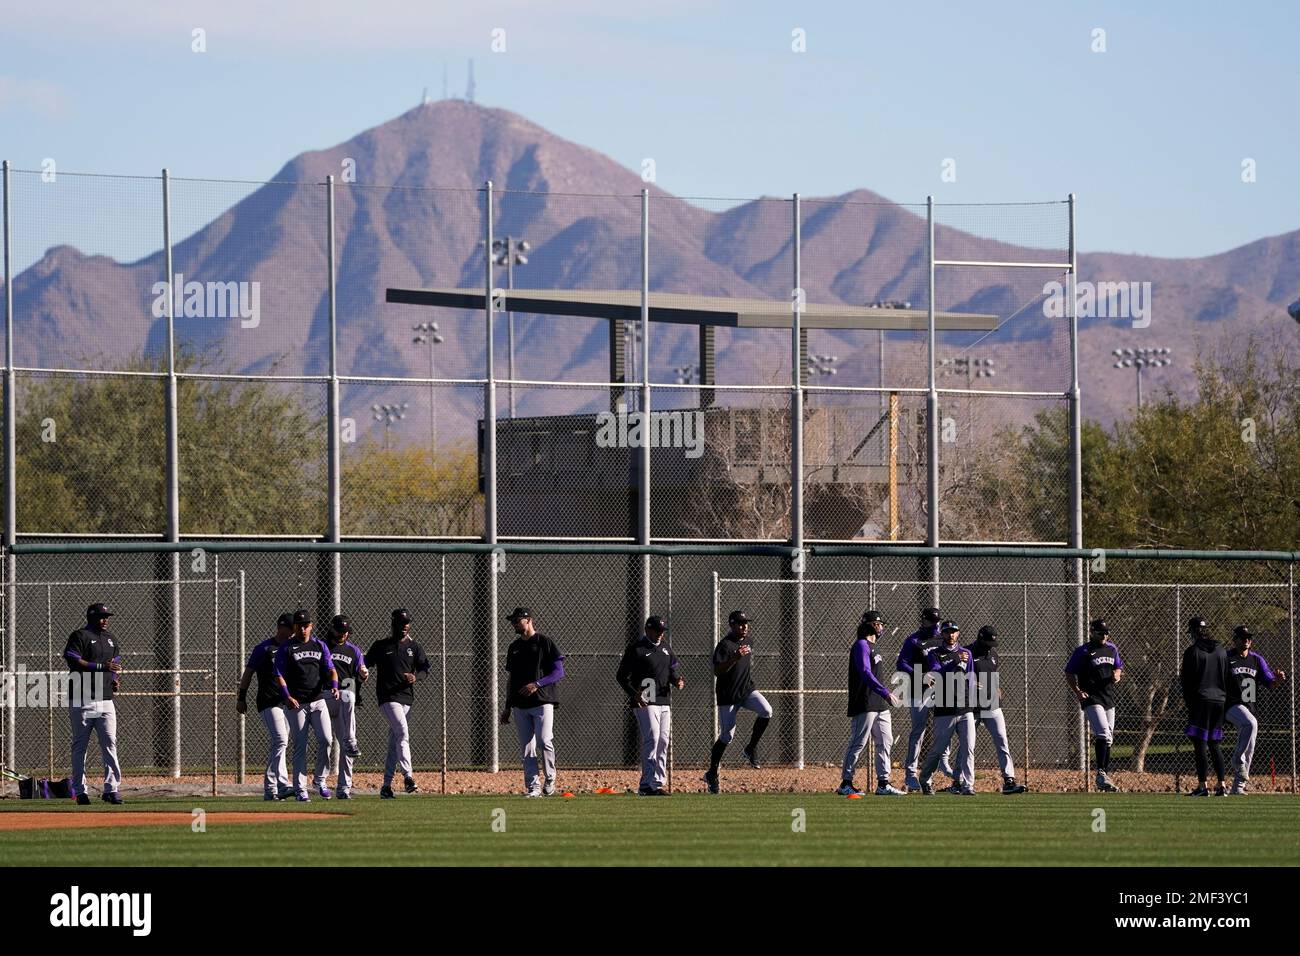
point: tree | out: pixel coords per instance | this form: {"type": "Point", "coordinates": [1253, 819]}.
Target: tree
{"type": "Point", "coordinates": [408, 491]}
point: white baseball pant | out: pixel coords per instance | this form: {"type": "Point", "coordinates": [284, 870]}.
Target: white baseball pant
{"type": "Point", "coordinates": [1247, 725]}
{"type": "Point", "coordinates": [101, 717]}
{"type": "Point", "coordinates": [307, 718]}
{"type": "Point", "coordinates": [920, 714]}
{"type": "Point", "coordinates": [399, 740]}
{"type": "Point", "coordinates": [945, 725]}
{"type": "Point", "coordinates": [536, 729]}
{"type": "Point", "coordinates": [655, 722]}
{"type": "Point", "coordinates": [343, 720]}
{"type": "Point", "coordinates": [727, 714]}
{"type": "Point", "coordinates": [879, 726]}
{"type": "Point", "coordinates": [275, 782]}
{"type": "Point", "coordinates": [1102, 721]}
{"type": "Point", "coordinates": [996, 725]}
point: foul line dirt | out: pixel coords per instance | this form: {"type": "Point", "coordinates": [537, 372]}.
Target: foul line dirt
{"type": "Point", "coordinates": [46, 820]}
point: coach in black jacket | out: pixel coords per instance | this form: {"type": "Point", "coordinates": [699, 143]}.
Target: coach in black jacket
{"type": "Point", "coordinates": [1204, 677]}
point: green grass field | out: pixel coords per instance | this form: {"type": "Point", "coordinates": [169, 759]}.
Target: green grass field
{"type": "Point", "coordinates": [691, 829]}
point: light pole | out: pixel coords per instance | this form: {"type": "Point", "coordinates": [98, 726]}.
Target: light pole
{"type": "Point", "coordinates": [880, 336]}
{"type": "Point", "coordinates": [510, 252]}
{"type": "Point", "coordinates": [426, 333]}
{"type": "Point", "coordinates": [389, 414]}
{"type": "Point", "coordinates": [971, 368]}
{"type": "Point", "coordinates": [685, 374]}
{"type": "Point", "coordinates": [632, 343]}
{"type": "Point", "coordinates": [1139, 359]}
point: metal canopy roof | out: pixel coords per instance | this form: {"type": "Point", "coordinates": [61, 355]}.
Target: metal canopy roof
{"type": "Point", "coordinates": [697, 309]}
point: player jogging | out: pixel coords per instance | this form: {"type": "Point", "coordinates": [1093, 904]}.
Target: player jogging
{"type": "Point", "coordinates": [735, 690]}
{"type": "Point", "coordinates": [1247, 670]}
{"type": "Point", "coordinates": [911, 661]}
{"type": "Point", "coordinates": [869, 703]}
{"type": "Point", "coordinates": [398, 661]}
{"type": "Point", "coordinates": [534, 666]}
{"type": "Point", "coordinates": [951, 687]}
{"type": "Point", "coordinates": [270, 707]}
{"type": "Point", "coordinates": [305, 672]}
{"type": "Point", "coordinates": [1204, 676]}
{"type": "Point", "coordinates": [989, 704]}
{"type": "Point", "coordinates": [1092, 672]}
{"type": "Point", "coordinates": [351, 668]}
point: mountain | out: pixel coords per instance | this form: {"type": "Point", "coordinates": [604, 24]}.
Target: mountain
{"type": "Point", "coordinates": [414, 216]}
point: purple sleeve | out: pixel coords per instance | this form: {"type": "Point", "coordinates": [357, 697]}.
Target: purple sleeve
{"type": "Point", "coordinates": [555, 675]}
{"type": "Point", "coordinates": [327, 661]}
{"type": "Point", "coordinates": [277, 669]}
{"type": "Point", "coordinates": [861, 658]}
{"type": "Point", "coordinates": [1073, 665]}
{"type": "Point", "coordinates": [1119, 664]}
{"type": "Point", "coordinates": [1268, 675]}
{"type": "Point", "coordinates": [904, 663]}
{"type": "Point", "coordinates": [868, 674]}
{"type": "Point", "coordinates": [673, 663]}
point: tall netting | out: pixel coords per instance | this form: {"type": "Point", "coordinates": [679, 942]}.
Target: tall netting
{"type": "Point", "coordinates": [178, 694]}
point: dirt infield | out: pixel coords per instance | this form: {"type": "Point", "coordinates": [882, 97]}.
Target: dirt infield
{"type": "Point", "coordinates": [53, 820]}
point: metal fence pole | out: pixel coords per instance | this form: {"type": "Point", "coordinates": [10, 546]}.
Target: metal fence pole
{"type": "Point", "coordinates": [490, 479]}
{"type": "Point", "coordinates": [1178, 741]}
{"type": "Point", "coordinates": [1078, 640]}
{"type": "Point", "coordinates": [49, 673]}
{"type": "Point", "coordinates": [931, 410]}
{"type": "Point", "coordinates": [10, 648]}
{"type": "Point", "coordinates": [796, 477]}
{"type": "Point", "coordinates": [1076, 459]}
{"type": "Point", "coordinates": [644, 502]}
{"type": "Point", "coordinates": [1025, 619]}
{"type": "Point", "coordinates": [335, 454]}
{"type": "Point", "coordinates": [709, 655]}
{"type": "Point", "coordinates": [173, 476]}
{"type": "Point", "coordinates": [1290, 590]}
{"type": "Point", "coordinates": [443, 590]}
{"type": "Point", "coordinates": [243, 656]}
{"type": "Point", "coordinates": [670, 654]}
{"type": "Point", "coordinates": [216, 661]}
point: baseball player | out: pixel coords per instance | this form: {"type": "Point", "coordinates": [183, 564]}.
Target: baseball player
{"type": "Point", "coordinates": [950, 671]}
{"type": "Point", "coordinates": [399, 661]}
{"type": "Point", "coordinates": [1092, 672]}
{"type": "Point", "coordinates": [351, 668]}
{"type": "Point", "coordinates": [911, 661]}
{"type": "Point", "coordinates": [735, 690]}
{"type": "Point", "coordinates": [534, 665]}
{"type": "Point", "coordinates": [305, 672]}
{"type": "Point", "coordinates": [1205, 678]}
{"type": "Point", "coordinates": [869, 703]}
{"type": "Point", "coordinates": [1247, 670]}
{"type": "Point", "coordinates": [648, 672]}
{"type": "Point", "coordinates": [989, 705]}
{"type": "Point", "coordinates": [270, 706]}
{"type": "Point", "coordinates": [92, 652]}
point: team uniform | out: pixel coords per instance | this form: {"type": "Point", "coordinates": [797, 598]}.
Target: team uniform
{"type": "Point", "coordinates": [912, 662]}
{"type": "Point", "coordinates": [1094, 665]}
{"type": "Point", "coordinates": [952, 692]}
{"type": "Point", "coordinates": [1205, 678]}
{"type": "Point", "coordinates": [305, 668]}
{"type": "Point", "coordinates": [535, 660]}
{"type": "Point", "coordinates": [1246, 672]}
{"type": "Point", "coordinates": [348, 663]}
{"type": "Point", "coordinates": [647, 673]}
{"type": "Point", "coordinates": [869, 713]}
{"type": "Point", "coordinates": [393, 658]}
{"type": "Point", "coordinates": [984, 656]}
{"type": "Point", "coordinates": [271, 708]}
{"type": "Point", "coordinates": [88, 653]}
{"type": "Point", "coordinates": [734, 691]}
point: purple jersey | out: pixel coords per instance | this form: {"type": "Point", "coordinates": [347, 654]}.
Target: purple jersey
{"type": "Point", "coordinates": [1095, 665]}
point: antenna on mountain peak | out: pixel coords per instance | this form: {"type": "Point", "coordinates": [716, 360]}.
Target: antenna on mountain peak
{"type": "Point", "coordinates": [425, 101]}
{"type": "Point", "coordinates": [469, 85]}
{"type": "Point", "coordinates": [445, 95]}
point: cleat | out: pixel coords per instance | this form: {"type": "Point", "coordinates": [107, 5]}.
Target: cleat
{"type": "Point", "coordinates": [646, 792]}
{"type": "Point", "coordinates": [1199, 792]}
{"type": "Point", "coordinates": [1238, 787]}
{"type": "Point", "coordinates": [711, 780]}
{"type": "Point", "coordinates": [303, 796]}
{"type": "Point", "coordinates": [965, 792]}
{"type": "Point", "coordinates": [111, 796]}
{"type": "Point", "coordinates": [548, 790]}
{"type": "Point", "coordinates": [752, 756]}
{"type": "Point", "coordinates": [533, 794]}
{"type": "Point", "coordinates": [846, 789]}
{"type": "Point", "coordinates": [953, 788]}
{"type": "Point", "coordinates": [272, 797]}
{"type": "Point", "coordinates": [83, 800]}
{"type": "Point", "coordinates": [345, 794]}
{"type": "Point", "coordinates": [286, 793]}
{"type": "Point", "coordinates": [1009, 787]}
{"type": "Point", "coordinates": [926, 789]}
{"type": "Point", "coordinates": [661, 792]}
{"type": "Point", "coordinates": [1220, 791]}
{"type": "Point", "coordinates": [324, 792]}
{"type": "Point", "coordinates": [411, 786]}
{"type": "Point", "coordinates": [386, 793]}
{"type": "Point", "coordinates": [1104, 783]}
{"type": "Point", "coordinates": [884, 789]}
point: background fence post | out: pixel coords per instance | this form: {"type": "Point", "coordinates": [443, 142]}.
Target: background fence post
{"type": "Point", "coordinates": [49, 667]}
{"type": "Point", "coordinates": [796, 476]}
{"type": "Point", "coordinates": [332, 423]}
{"type": "Point", "coordinates": [243, 656]}
{"type": "Point", "coordinates": [10, 648]}
{"type": "Point", "coordinates": [173, 478]}
{"type": "Point", "coordinates": [490, 486]}
{"type": "Point", "coordinates": [443, 591]}
{"type": "Point", "coordinates": [1290, 590]}
{"type": "Point", "coordinates": [216, 663]}
{"type": "Point", "coordinates": [643, 504]}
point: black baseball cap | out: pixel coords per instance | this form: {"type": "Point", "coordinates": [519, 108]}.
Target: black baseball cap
{"type": "Point", "coordinates": [870, 617]}
{"type": "Point", "coordinates": [930, 615]}
{"type": "Point", "coordinates": [519, 613]}
{"type": "Point", "coordinates": [655, 623]}
{"type": "Point", "coordinates": [738, 617]}
{"type": "Point", "coordinates": [988, 633]}
{"type": "Point", "coordinates": [950, 626]}
{"type": "Point", "coordinates": [340, 624]}
{"type": "Point", "coordinates": [1099, 626]}
{"type": "Point", "coordinates": [284, 620]}
{"type": "Point", "coordinates": [1242, 633]}
{"type": "Point", "coordinates": [96, 611]}
{"type": "Point", "coordinates": [401, 616]}
{"type": "Point", "coordinates": [1198, 624]}
{"type": "Point", "coordinates": [302, 616]}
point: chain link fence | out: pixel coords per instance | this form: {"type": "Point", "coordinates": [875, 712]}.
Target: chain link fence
{"type": "Point", "coordinates": [178, 726]}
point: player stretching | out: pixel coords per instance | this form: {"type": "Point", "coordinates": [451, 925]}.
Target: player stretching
{"type": "Point", "coordinates": [1092, 672]}
{"type": "Point", "coordinates": [1246, 671]}
{"type": "Point", "coordinates": [735, 690]}
{"type": "Point", "coordinates": [1205, 677]}
{"type": "Point", "coordinates": [869, 703]}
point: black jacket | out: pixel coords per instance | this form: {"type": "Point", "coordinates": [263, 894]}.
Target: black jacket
{"type": "Point", "coordinates": [1205, 672]}
{"type": "Point", "coordinates": [392, 658]}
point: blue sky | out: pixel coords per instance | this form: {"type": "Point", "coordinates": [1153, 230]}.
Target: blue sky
{"type": "Point", "coordinates": [1150, 134]}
